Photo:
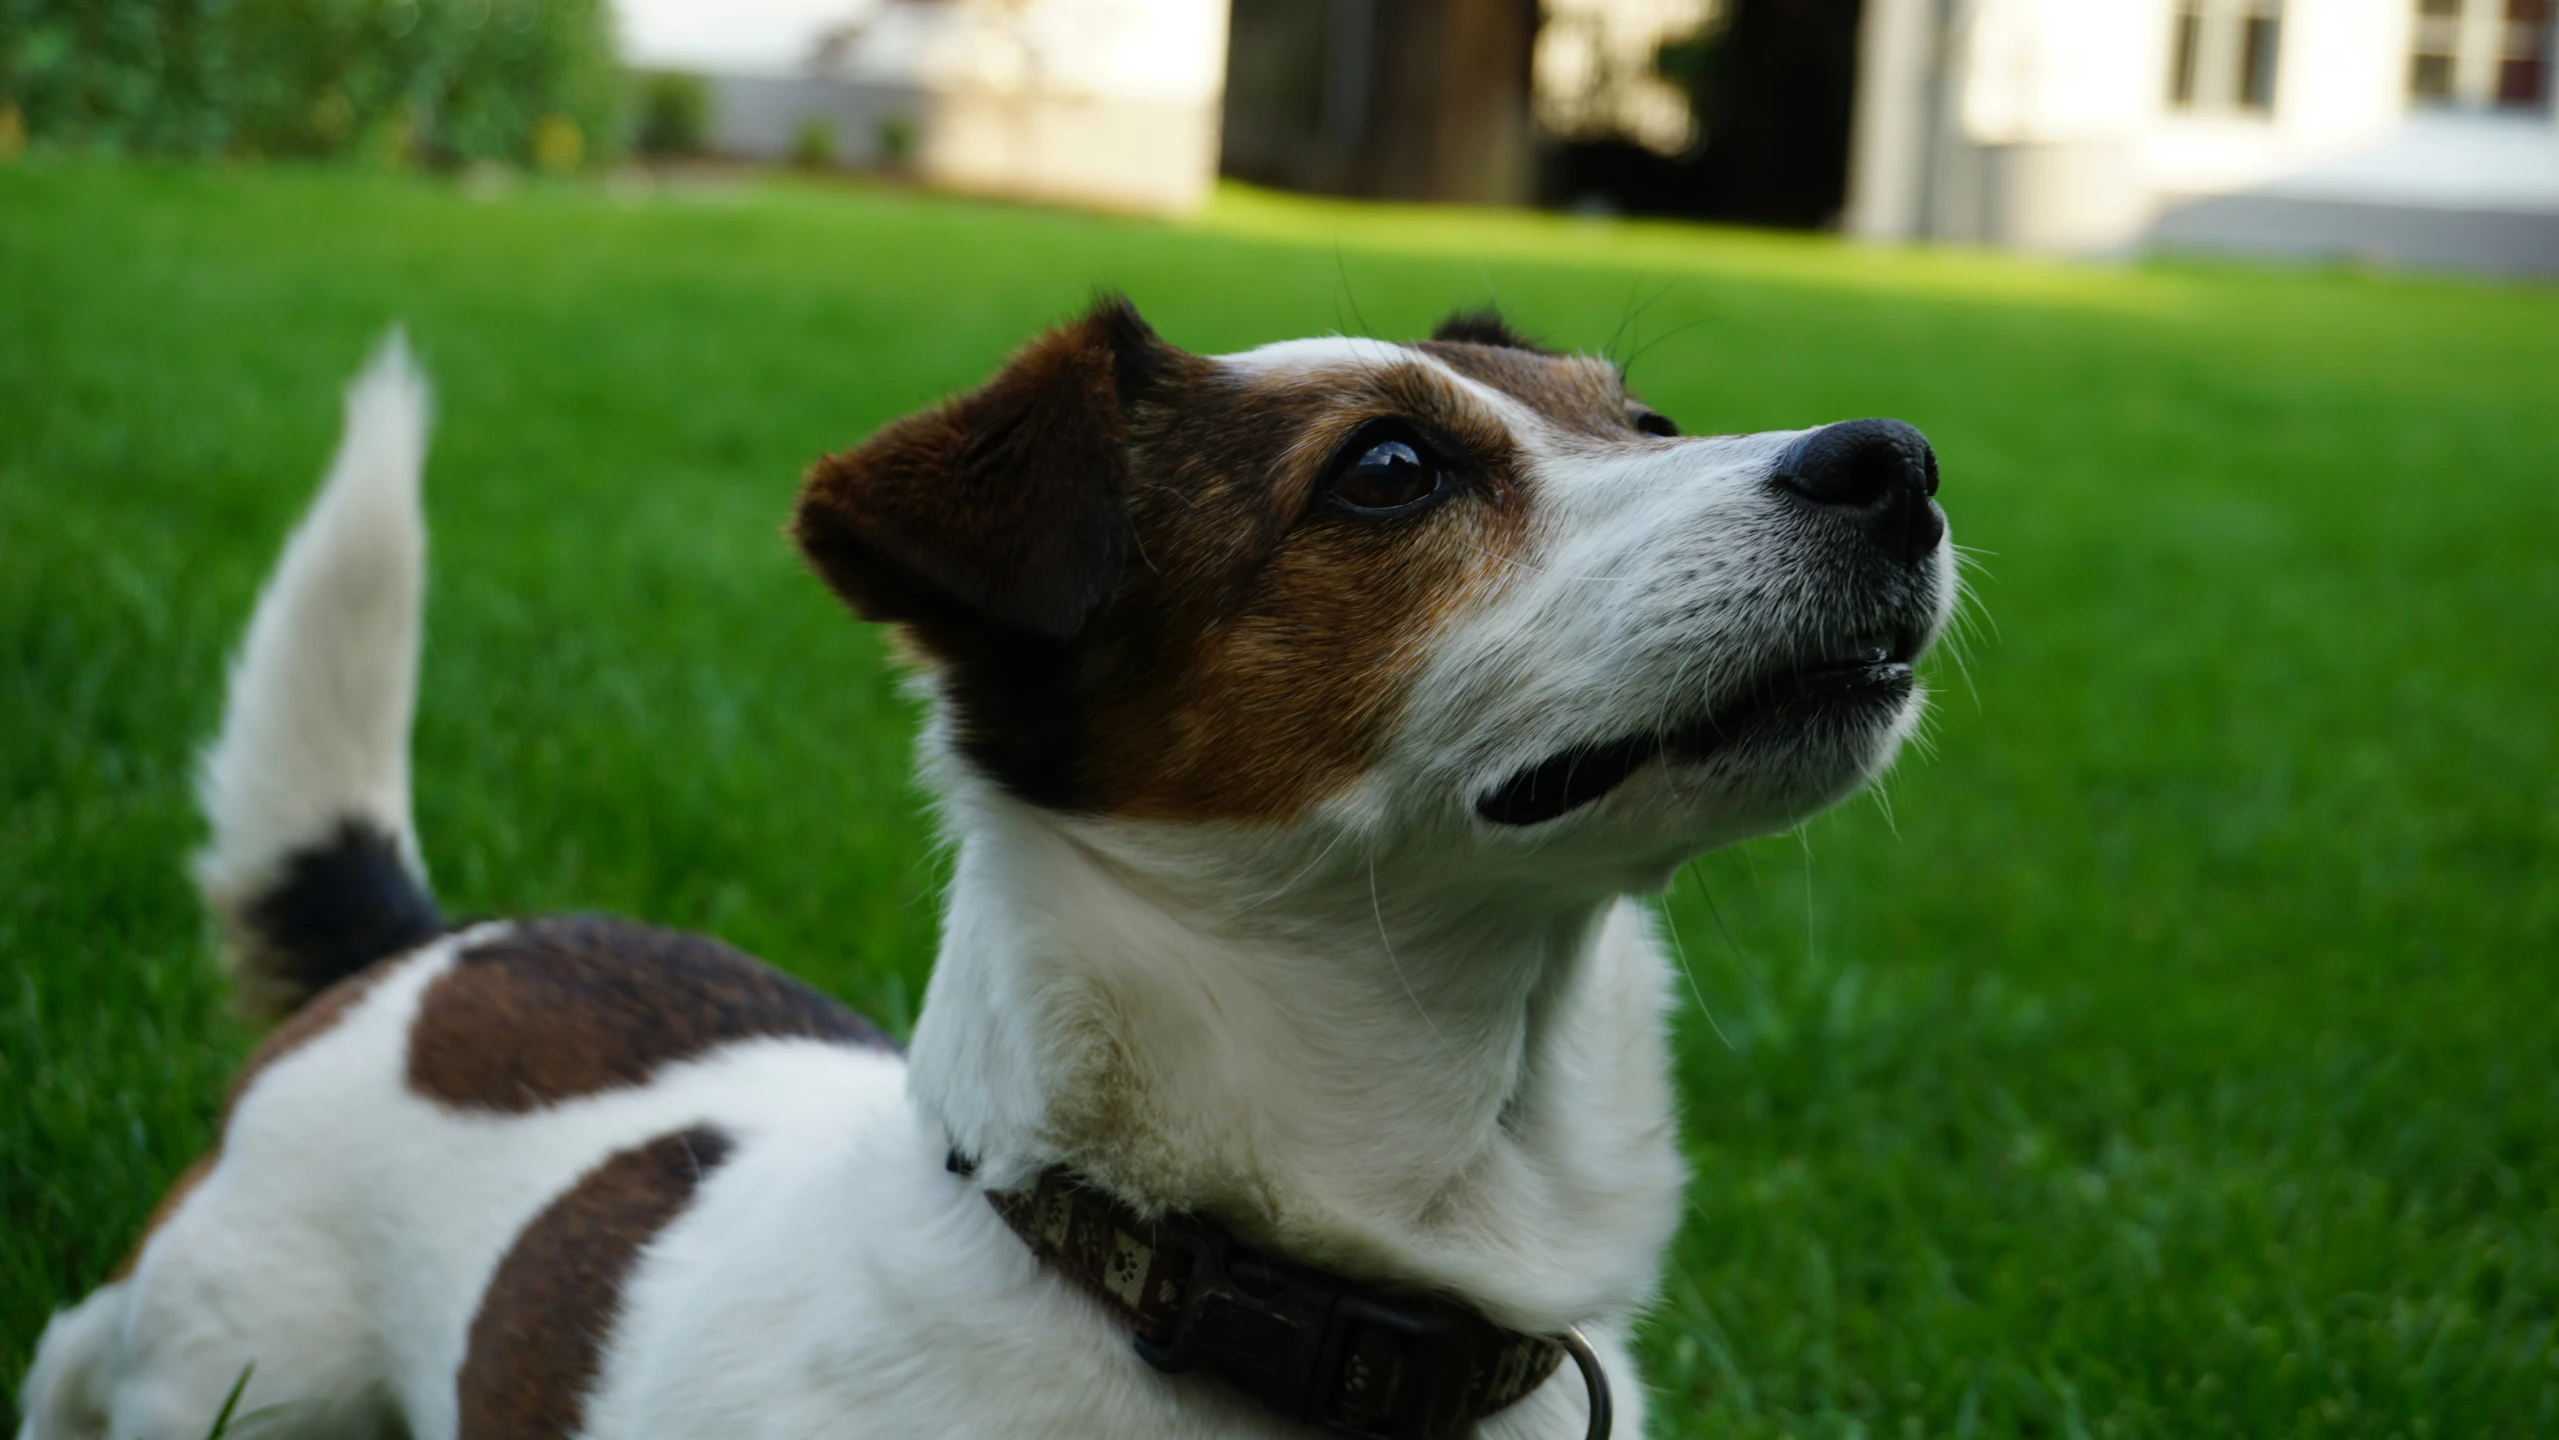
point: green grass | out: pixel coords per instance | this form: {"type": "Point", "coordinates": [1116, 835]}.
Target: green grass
{"type": "Point", "coordinates": [2179, 1057]}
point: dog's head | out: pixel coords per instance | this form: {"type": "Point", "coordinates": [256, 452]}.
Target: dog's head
{"type": "Point", "coordinates": [1465, 591]}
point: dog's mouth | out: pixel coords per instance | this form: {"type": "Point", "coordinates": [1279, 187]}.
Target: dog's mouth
{"type": "Point", "coordinates": [1872, 673]}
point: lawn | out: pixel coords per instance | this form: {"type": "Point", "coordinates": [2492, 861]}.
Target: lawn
{"type": "Point", "coordinates": [2176, 1054]}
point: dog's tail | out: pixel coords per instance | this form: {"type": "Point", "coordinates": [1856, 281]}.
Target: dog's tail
{"type": "Point", "coordinates": [313, 866]}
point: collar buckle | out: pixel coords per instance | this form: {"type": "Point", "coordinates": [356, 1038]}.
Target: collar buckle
{"type": "Point", "coordinates": [1358, 1364]}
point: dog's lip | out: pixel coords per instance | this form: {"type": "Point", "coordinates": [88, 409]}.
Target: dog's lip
{"type": "Point", "coordinates": [1871, 668]}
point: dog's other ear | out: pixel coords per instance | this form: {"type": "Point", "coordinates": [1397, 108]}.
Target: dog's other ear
{"type": "Point", "coordinates": [1009, 502]}
{"type": "Point", "coordinates": [1485, 327]}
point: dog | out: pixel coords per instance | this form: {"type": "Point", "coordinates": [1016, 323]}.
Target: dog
{"type": "Point", "coordinates": [1302, 721]}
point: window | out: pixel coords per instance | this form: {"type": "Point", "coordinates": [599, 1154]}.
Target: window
{"type": "Point", "coordinates": [2185, 50]}
{"type": "Point", "coordinates": [2435, 49]}
{"type": "Point", "coordinates": [2258, 31]}
{"type": "Point", "coordinates": [2479, 54]}
{"type": "Point", "coordinates": [2523, 69]}
{"type": "Point", "coordinates": [2222, 55]}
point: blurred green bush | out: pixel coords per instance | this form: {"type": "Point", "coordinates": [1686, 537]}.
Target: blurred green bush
{"type": "Point", "coordinates": [675, 114]}
{"type": "Point", "coordinates": [438, 82]}
{"type": "Point", "coordinates": [813, 144]}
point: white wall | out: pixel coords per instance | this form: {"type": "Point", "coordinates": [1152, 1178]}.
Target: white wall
{"type": "Point", "coordinates": [756, 37]}
{"type": "Point", "coordinates": [1103, 102]}
{"type": "Point", "coordinates": [1106, 102]}
{"type": "Point", "coordinates": [2341, 84]}
{"type": "Point", "coordinates": [2043, 71]}
{"type": "Point", "coordinates": [2046, 124]}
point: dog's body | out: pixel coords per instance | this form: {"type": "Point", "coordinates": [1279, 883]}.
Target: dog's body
{"type": "Point", "coordinates": [1303, 718]}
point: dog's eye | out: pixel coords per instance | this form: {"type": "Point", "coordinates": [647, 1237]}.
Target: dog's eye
{"type": "Point", "coordinates": [1651, 421]}
{"type": "Point", "coordinates": [1386, 475]}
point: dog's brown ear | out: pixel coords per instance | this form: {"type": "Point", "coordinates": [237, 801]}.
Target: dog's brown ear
{"type": "Point", "coordinates": [1009, 502]}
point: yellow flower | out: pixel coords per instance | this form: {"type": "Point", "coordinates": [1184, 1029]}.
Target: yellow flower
{"type": "Point", "coordinates": [558, 145]}
{"type": "Point", "coordinates": [332, 117]}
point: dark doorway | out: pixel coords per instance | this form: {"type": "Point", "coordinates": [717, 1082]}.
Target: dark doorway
{"type": "Point", "coordinates": [1773, 84]}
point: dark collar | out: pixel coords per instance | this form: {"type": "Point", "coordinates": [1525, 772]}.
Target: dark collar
{"type": "Point", "coordinates": [1311, 1345]}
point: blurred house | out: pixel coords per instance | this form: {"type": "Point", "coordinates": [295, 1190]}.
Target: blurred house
{"type": "Point", "coordinates": [1111, 103]}
{"type": "Point", "coordinates": [2416, 131]}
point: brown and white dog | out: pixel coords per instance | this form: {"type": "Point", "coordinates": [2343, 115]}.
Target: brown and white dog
{"type": "Point", "coordinates": [1302, 719]}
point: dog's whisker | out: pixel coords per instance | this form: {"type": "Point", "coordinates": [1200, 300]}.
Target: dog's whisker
{"type": "Point", "coordinates": [1671, 334]}
{"type": "Point", "coordinates": [1670, 927]}
{"type": "Point", "coordinates": [1625, 317]}
{"type": "Point", "coordinates": [1378, 910]}
{"type": "Point", "coordinates": [1741, 960]}
{"type": "Point", "coordinates": [1284, 887]}
{"type": "Point", "coordinates": [1343, 271]}
{"type": "Point", "coordinates": [1883, 797]}
{"type": "Point", "coordinates": [1804, 840]}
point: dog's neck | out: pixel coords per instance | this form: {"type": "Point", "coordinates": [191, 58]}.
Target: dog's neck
{"type": "Point", "coordinates": [1461, 1091]}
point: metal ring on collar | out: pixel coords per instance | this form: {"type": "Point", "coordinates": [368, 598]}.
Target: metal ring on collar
{"type": "Point", "coordinates": [1594, 1380]}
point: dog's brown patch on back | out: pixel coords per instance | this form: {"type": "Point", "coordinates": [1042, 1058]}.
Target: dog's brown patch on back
{"type": "Point", "coordinates": [559, 1008]}
{"type": "Point", "coordinates": [170, 1199]}
{"type": "Point", "coordinates": [538, 1340]}
{"type": "Point", "coordinates": [1578, 393]}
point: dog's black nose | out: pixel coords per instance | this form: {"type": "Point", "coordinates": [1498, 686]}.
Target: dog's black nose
{"type": "Point", "coordinates": [1878, 473]}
